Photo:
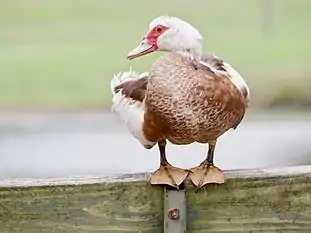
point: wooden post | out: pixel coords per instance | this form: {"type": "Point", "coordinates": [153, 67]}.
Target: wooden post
{"type": "Point", "coordinates": [174, 211]}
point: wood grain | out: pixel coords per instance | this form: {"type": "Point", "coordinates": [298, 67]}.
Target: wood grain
{"type": "Point", "coordinates": [277, 200]}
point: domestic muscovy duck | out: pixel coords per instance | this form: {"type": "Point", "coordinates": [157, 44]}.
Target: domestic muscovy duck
{"type": "Point", "coordinates": [188, 96]}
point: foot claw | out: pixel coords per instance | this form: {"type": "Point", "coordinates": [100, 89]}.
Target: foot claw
{"type": "Point", "coordinates": [206, 174]}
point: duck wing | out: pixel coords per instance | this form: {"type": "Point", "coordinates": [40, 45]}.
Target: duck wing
{"type": "Point", "coordinates": [220, 65]}
{"type": "Point", "coordinates": [128, 102]}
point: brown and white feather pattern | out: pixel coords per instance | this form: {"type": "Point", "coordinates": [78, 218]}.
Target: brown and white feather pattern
{"type": "Point", "coordinates": [178, 103]}
{"type": "Point", "coordinates": [129, 89]}
{"type": "Point", "coordinates": [185, 105]}
{"type": "Point", "coordinates": [234, 76]}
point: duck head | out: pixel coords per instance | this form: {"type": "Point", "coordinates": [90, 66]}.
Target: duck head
{"type": "Point", "coordinates": [169, 34]}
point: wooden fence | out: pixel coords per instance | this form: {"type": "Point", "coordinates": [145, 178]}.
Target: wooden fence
{"type": "Point", "coordinates": [265, 200]}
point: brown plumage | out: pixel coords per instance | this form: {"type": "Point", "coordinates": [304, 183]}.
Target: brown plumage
{"type": "Point", "coordinates": [205, 107]}
{"type": "Point", "coordinates": [135, 89]}
{"type": "Point", "coordinates": [183, 101]}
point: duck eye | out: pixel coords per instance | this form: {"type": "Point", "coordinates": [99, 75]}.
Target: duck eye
{"type": "Point", "coordinates": [159, 29]}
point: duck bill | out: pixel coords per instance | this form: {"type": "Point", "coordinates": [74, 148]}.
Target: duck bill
{"type": "Point", "coordinates": [144, 48]}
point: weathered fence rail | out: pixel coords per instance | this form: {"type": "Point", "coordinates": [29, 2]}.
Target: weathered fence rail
{"type": "Point", "coordinates": [265, 200]}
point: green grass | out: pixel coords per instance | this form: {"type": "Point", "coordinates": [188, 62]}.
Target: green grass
{"type": "Point", "coordinates": [62, 54]}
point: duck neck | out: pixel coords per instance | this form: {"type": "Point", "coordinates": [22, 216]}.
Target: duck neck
{"type": "Point", "coordinates": [194, 54]}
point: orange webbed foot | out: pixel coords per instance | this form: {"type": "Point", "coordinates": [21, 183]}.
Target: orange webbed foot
{"type": "Point", "coordinates": [206, 173]}
{"type": "Point", "coordinates": [168, 175]}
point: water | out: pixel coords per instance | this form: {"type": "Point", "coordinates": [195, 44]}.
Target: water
{"type": "Point", "coordinates": [60, 145]}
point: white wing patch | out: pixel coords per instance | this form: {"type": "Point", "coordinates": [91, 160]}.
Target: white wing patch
{"type": "Point", "coordinates": [130, 111]}
{"type": "Point", "coordinates": [235, 77]}
{"type": "Point", "coordinates": [238, 80]}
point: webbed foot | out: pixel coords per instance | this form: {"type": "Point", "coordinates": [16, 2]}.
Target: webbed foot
{"type": "Point", "coordinates": [168, 175]}
{"type": "Point", "coordinates": [206, 173]}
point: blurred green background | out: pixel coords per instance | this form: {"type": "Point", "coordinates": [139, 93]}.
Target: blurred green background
{"type": "Point", "coordinates": [62, 54]}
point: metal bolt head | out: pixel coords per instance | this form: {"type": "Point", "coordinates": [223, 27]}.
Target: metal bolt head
{"type": "Point", "coordinates": [174, 213]}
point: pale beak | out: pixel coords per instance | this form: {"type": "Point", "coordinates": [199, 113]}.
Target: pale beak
{"type": "Point", "coordinates": [144, 48]}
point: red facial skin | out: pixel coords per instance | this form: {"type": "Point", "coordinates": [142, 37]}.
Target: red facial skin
{"type": "Point", "coordinates": [153, 35]}
{"type": "Point", "coordinates": [150, 41]}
